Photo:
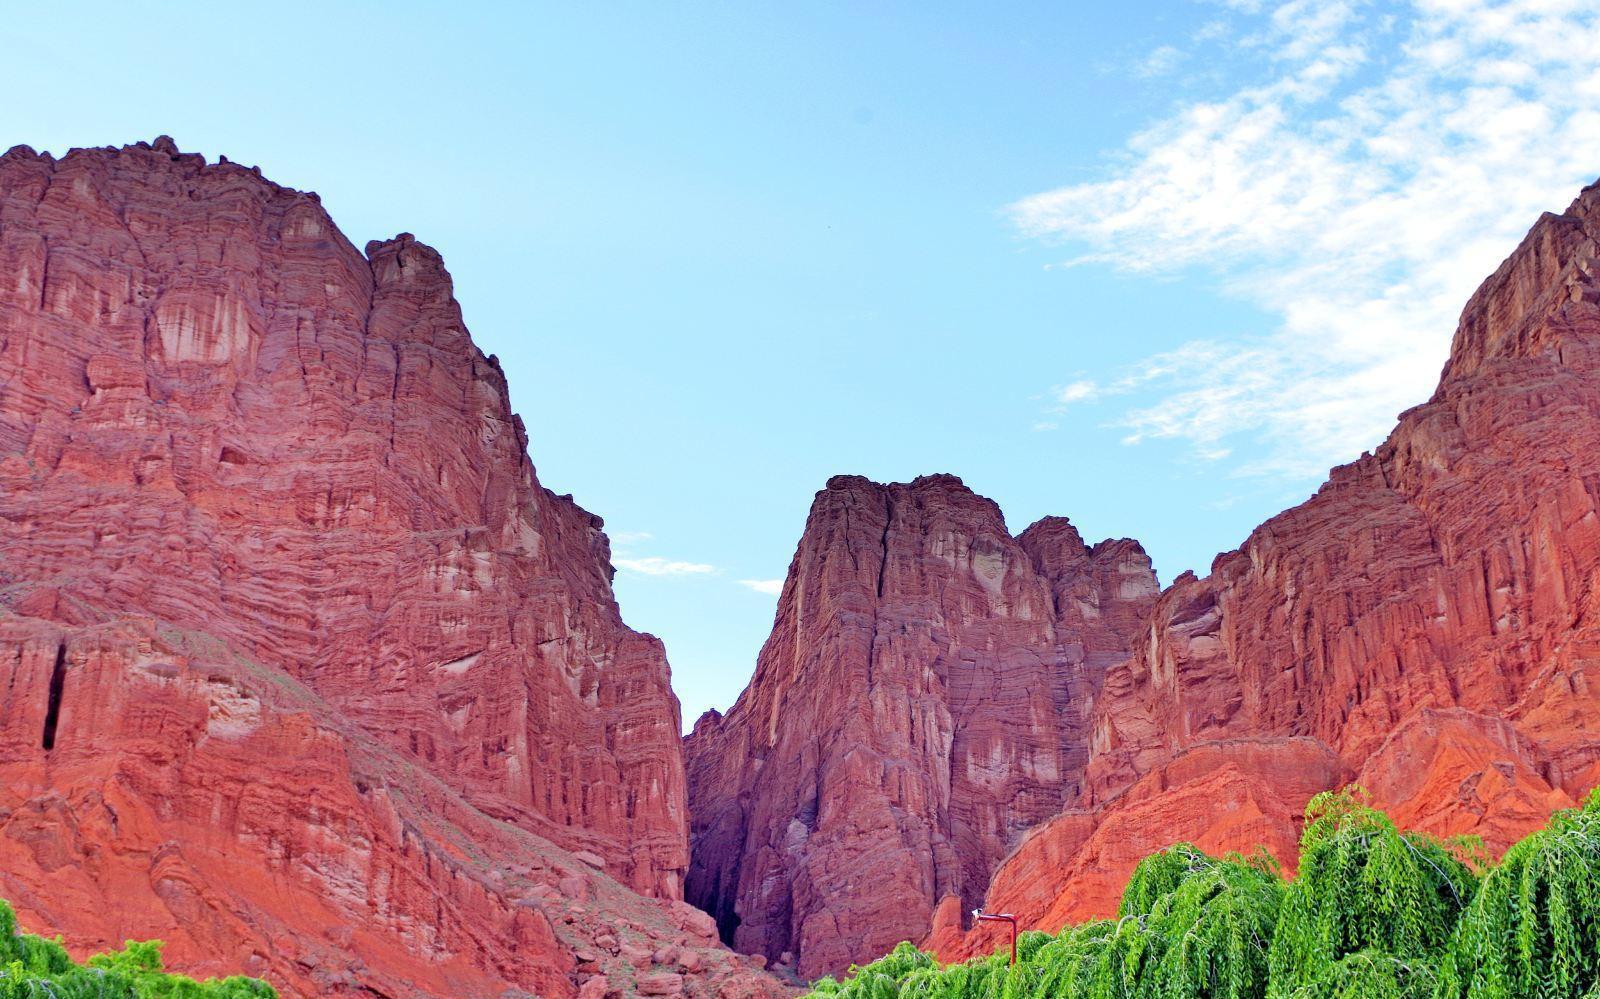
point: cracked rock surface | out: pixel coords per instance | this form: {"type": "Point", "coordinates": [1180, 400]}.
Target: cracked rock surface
{"type": "Point", "coordinates": [291, 636]}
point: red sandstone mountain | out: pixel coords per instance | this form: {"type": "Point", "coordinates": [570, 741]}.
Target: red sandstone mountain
{"type": "Point", "coordinates": [1425, 625]}
{"type": "Point", "coordinates": [1428, 624]}
{"type": "Point", "coordinates": [924, 698]}
{"type": "Point", "coordinates": [301, 670]}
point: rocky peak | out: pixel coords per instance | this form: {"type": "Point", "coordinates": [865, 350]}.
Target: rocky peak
{"type": "Point", "coordinates": [260, 495]}
{"type": "Point", "coordinates": [1080, 577]}
{"type": "Point", "coordinates": [404, 260]}
{"type": "Point", "coordinates": [1425, 625]}
{"type": "Point", "coordinates": [918, 705]}
{"type": "Point", "coordinates": [1528, 306]}
{"type": "Point", "coordinates": [1050, 534]}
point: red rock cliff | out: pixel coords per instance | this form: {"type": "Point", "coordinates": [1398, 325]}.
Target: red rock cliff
{"type": "Point", "coordinates": [289, 625]}
{"type": "Point", "coordinates": [924, 698]}
{"type": "Point", "coordinates": [1426, 624]}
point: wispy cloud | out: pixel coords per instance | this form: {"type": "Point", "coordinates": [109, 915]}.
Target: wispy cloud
{"type": "Point", "coordinates": [1379, 166]}
{"type": "Point", "coordinates": [1161, 61]}
{"type": "Point", "coordinates": [1081, 390]}
{"type": "Point", "coordinates": [657, 566]}
{"type": "Point", "coordinates": [771, 587]}
{"type": "Point", "coordinates": [623, 539]}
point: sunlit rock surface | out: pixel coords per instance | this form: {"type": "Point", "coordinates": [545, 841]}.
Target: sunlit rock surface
{"type": "Point", "coordinates": [301, 669]}
{"type": "Point", "coordinates": [1424, 625]}
{"type": "Point", "coordinates": [924, 699]}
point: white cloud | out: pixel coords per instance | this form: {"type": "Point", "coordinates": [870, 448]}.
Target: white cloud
{"type": "Point", "coordinates": [1161, 61]}
{"type": "Point", "coordinates": [657, 566]}
{"type": "Point", "coordinates": [1358, 191]}
{"type": "Point", "coordinates": [1082, 390]}
{"type": "Point", "coordinates": [653, 565]}
{"type": "Point", "coordinates": [771, 587]}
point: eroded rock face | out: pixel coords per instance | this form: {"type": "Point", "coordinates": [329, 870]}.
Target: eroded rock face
{"type": "Point", "coordinates": [199, 796]}
{"type": "Point", "coordinates": [1428, 619]}
{"type": "Point", "coordinates": [1222, 796]}
{"type": "Point", "coordinates": [225, 428]}
{"type": "Point", "coordinates": [925, 697]}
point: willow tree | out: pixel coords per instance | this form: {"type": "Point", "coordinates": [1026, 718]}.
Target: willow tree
{"type": "Point", "coordinates": [883, 978]}
{"type": "Point", "coordinates": [1364, 886]}
{"type": "Point", "coordinates": [1073, 963]}
{"type": "Point", "coordinates": [1533, 932]}
{"type": "Point", "coordinates": [1369, 974]}
{"type": "Point", "coordinates": [1193, 926]}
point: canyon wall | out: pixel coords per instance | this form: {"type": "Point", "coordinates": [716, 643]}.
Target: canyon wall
{"type": "Point", "coordinates": [303, 671]}
{"type": "Point", "coordinates": [924, 698]}
{"type": "Point", "coordinates": [291, 637]}
{"type": "Point", "coordinates": [1425, 625]}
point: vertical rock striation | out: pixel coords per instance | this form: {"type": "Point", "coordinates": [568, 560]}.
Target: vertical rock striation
{"type": "Point", "coordinates": [924, 698]}
{"type": "Point", "coordinates": [1426, 624]}
{"type": "Point", "coordinates": [265, 512]}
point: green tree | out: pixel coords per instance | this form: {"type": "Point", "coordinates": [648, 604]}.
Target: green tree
{"type": "Point", "coordinates": [1533, 932]}
{"type": "Point", "coordinates": [1209, 934]}
{"type": "Point", "coordinates": [1364, 885]}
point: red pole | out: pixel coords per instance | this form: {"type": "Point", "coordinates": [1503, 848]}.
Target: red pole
{"type": "Point", "coordinates": [998, 917]}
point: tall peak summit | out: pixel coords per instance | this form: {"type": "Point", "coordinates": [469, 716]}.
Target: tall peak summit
{"type": "Point", "coordinates": [922, 701]}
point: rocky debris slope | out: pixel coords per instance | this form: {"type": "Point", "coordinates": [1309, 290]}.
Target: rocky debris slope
{"type": "Point", "coordinates": [1425, 624]}
{"type": "Point", "coordinates": [925, 697]}
{"type": "Point", "coordinates": [196, 795]}
{"type": "Point", "coordinates": [229, 441]}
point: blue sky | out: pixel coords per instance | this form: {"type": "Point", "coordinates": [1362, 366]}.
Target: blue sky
{"type": "Point", "coordinates": [1153, 266]}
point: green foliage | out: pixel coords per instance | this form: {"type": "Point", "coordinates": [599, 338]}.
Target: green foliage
{"type": "Point", "coordinates": [1207, 934]}
{"type": "Point", "coordinates": [32, 967]}
{"type": "Point", "coordinates": [882, 979]}
{"type": "Point", "coordinates": [1157, 876]}
{"type": "Point", "coordinates": [1374, 914]}
{"type": "Point", "coordinates": [1370, 974]}
{"type": "Point", "coordinates": [1364, 885]}
{"type": "Point", "coordinates": [1075, 962]}
{"type": "Point", "coordinates": [1533, 932]}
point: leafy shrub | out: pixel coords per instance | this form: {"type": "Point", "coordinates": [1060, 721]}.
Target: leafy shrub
{"type": "Point", "coordinates": [32, 967]}
{"type": "Point", "coordinates": [1370, 974]}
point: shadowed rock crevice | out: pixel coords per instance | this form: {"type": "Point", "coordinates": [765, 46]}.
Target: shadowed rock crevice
{"type": "Point", "coordinates": [52, 711]}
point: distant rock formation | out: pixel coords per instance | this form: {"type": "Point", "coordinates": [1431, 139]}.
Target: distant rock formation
{"type": "Point", "coordinates": [301, 670]}
{"type": "Point", "coordinates": [1428, 625]}
{"type": "Point", "coordinates": [926, 696]}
